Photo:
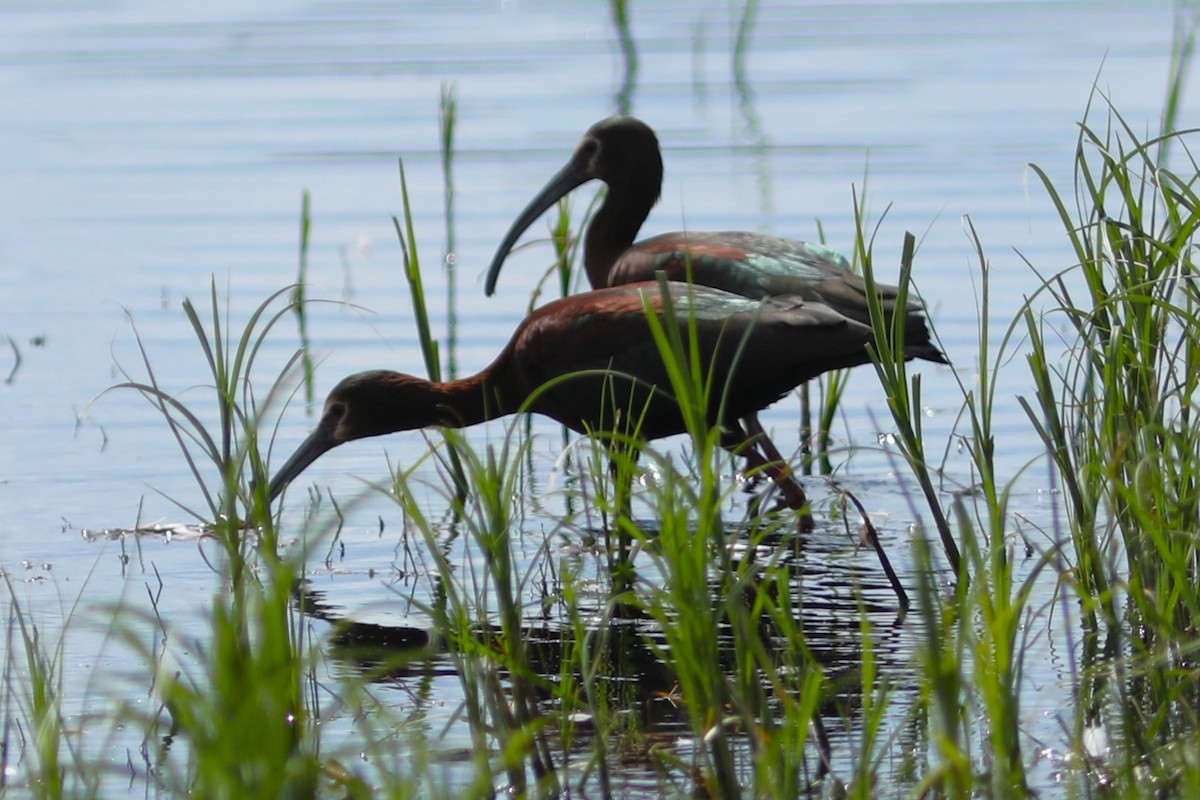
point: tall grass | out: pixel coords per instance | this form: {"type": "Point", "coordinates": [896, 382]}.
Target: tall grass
{"type": "Point", "coordinates": [903, 395]}
{"type": "Point", "coordinates": [447, 124]}
{"type": "Point", "coordinates": [971, 657]}
{"type": "Point", "coordinates": [429, 346]}
{"type": "Point", "coordinates": [1111, 346]}
{"type": "Point", "coordinates": [231, 719]}
{"type": "Point", "coordinates": [35, 730]}
{"type": "Point", "coordinates": [299, 300]}
{"type": "Point", "coordinates": [566, 239]}
{"type": "Point", "coordinates": [235, 720]}
{"type": "Point", "coordinates": [629, 57]}
{"type": "Point", "coordinates": [483, 621]}
{"type": "Point", "coordinates": [1118, 418]}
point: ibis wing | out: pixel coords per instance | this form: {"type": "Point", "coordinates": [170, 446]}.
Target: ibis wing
{"type": "Point", "coordinates": [749, 264]}
{"type": "Point", "coordinates": [756, 266]}
{"type": "Point", "coordinates": [753, 352]}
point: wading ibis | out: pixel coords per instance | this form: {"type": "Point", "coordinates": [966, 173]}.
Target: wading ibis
{"type": "Point", "coordinates": [623, 152]}
{"type": "Point", "coordinates": [755, 352]}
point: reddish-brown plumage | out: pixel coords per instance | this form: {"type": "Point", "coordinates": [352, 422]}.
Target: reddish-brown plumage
{"type": "Point", "coordinates": [676, 244]}
{"type": "Point", "coordinates": [597, 353]}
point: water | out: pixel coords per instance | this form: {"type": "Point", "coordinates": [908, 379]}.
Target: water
{"type": "Point", "coordinates": [147, 149]}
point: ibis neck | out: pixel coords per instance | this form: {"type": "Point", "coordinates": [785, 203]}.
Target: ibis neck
{"type": "Point", "coordinates": [466, 402]}
{"type": "Point", "coordinates": [612, 231]}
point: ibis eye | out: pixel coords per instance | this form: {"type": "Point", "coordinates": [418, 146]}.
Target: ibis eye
{"type": "Point", "coordinates": [335, 410]}
{"type": "Point", "coordinates": [588, 148]}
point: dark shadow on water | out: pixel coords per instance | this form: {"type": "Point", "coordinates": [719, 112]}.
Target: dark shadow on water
{"type": "Point", "coordinates": [833, 599]}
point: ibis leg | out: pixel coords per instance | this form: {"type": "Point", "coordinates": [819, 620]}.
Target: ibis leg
{"type": "Point", "coordinates": [751, 443]}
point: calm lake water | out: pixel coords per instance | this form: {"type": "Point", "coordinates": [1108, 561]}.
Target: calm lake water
{"type": "Point", "coordinates": [147, 149]}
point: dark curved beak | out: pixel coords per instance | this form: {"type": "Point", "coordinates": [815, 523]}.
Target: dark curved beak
{"type": "Point", "coordinates": [572, 175]}
{"type": "Point", "coordinates": [319, 442]}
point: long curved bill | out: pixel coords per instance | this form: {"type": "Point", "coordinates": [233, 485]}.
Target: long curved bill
{"type": "Point", "coordinates": [570, 176]}
{"type": "Point", "coordinates": [319, 442]}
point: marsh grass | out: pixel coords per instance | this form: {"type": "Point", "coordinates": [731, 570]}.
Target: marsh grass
{"type": "Point", "coordinates": [1118, 417]}
{"type": "Point", "coordinates": [232, 450]}
{"type": "Point", "coordinates": [299, 304]}
{"type": "Point", "coordinates": [566, 239]}
{"type": "Point", "coordinates": [412, 273]}
{"type": "Point", "coordinates": [1111, 347]}
{"type": "Point", "coordinates": [231, 720]}
{"type": "Point", "coordinates": [34, 727]}
{"type": "Point", "coordinates": [629, 57]}
{"type": "Point", "coordinates": [903, 395]}
{"type": "Point", "coordinates": [447, 123]}
{"type": "Point", "coordinates": [481, 616]}
{"type": "Point", "coordinates": [236, 717]}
